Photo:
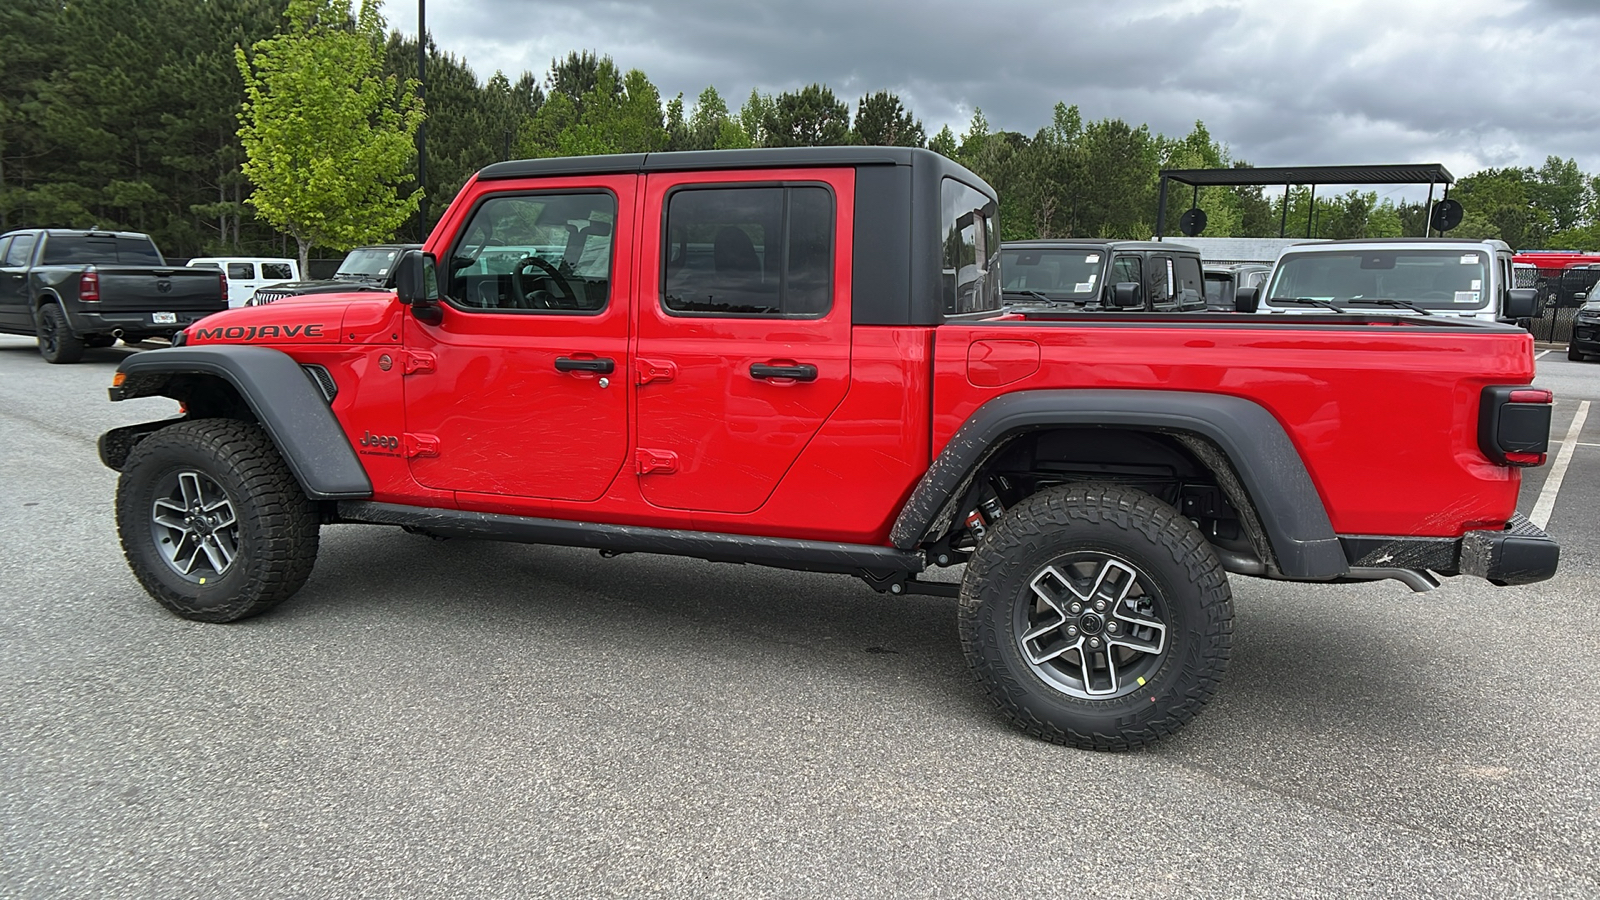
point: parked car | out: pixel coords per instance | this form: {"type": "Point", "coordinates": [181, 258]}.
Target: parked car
{"type": "Point", "coordinates": [74, 289]}
{"type": "Point", "coordinates": [1585, 341]}
{"type": "Point", "coordinates": [363, 269]}
{"type": "Point", "coordinates": [801, 358]}
{"type": "Point", "coordinates": [247, 274]}
{"type": "Point", "coordinates": [1074, 274]}
{"type": "Point", "coordinates": [1223, 280]}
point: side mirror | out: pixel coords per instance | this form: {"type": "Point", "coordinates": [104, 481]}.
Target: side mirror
{"type": "Point", "coordinates": [416, 283]}
{"type": "Point", "coordinates": [1520, 303]}
{"type": "Point", "coordinates": [1247, 299]}
{"type": "Point", "coordinates": [1126, 295]}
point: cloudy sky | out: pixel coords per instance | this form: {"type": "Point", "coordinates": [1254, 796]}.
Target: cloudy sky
{"type": "Point", "coordinates": [1469, 83]}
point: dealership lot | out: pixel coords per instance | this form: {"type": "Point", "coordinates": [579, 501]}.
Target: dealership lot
{"type": "Point", "coordinates": [486, 719]}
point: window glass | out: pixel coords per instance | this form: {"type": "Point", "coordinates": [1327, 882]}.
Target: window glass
{"type": "Point", "coordinates": [20, 250]}
{"type": "Point", "coordinates": [1219, 290]}
{"type": "Point", "coordinates": [4, 243]}
{"type": "Point", "coordinates": [280, 271]}
{"type": "Point", "coordinates": [969, 230]}
{"type": "Point", "coordinates": [85, 249]}
{"type": "Point", "coordinates": [750, 251]}
{"type": "Point", "coordinates": [1189, 277]}
{"type": "Point", "coordinates": [246, 271]}
{"type": "Point", "coordinates": [1057, 274]}
{"type": "Point", "coordinates": [1160, 284]}
{"type": "Point", "coordinates": [1126, 269]}
{"type": "Point", "coordinates": [537, 253]}
{"type": "Point", "coordinates": [1431, 278]}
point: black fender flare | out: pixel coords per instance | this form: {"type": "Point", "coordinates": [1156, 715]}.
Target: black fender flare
{"type": "Point", "coordinates": [283, 399]}
{"type": "Point", "coordinates": [1269, 467]}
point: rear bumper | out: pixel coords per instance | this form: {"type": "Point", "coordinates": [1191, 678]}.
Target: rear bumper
{"type": "Point", "coordinates": [141, 322]}
{"type": "Point", "coordinates": [1520, 553]}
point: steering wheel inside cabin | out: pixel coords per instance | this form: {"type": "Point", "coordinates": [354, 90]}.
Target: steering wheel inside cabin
{"type": "Point", "coordinates": [529, 290]}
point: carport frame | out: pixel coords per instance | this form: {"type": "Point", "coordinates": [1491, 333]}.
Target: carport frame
{"type": "Point", "coordinates": [1291, 177]}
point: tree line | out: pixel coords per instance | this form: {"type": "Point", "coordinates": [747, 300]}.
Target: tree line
{"type": "Point", "coordinates": [126, 114]}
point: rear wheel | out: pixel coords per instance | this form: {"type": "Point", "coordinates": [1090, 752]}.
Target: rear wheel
{"type": "Point", "coordinates": [1574, 355]}
{"type": "Point", "coordinates": [57, 343]}
{"type": "Point", "coordinates": [1096, 616]}
{"type": "Point", "coordinates": [213, 523]}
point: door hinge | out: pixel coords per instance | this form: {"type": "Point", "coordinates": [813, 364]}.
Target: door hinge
{"type": "Point", "coordinates": [658, 462]}
{"type": "Point", "coordinates": [421, 445]}
{"type": "Point", "coordinates": [648, 370]}
{"type": "Point", "coordinates": [418, 361]}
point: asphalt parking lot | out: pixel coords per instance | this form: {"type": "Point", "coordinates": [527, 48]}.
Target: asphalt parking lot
{"type": "Point", "coordinates": [465, 719]}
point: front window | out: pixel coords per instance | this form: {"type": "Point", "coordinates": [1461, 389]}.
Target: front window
{"type": "Point", "coordinates": [1429, 278]}
{"type": "Point", "coordinates": [1060, 275]}
{"type": "Point", "coordinates": [536, 253]}
{"type": "Point", "coordinates": [368, 264]}
{"type": "Point", "coordinates": [971, 235]}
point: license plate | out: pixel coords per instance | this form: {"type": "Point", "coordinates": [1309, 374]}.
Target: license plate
{"type": "Point", "coordinates": [164, 318]}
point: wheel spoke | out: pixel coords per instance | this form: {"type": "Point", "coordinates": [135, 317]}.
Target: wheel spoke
{"type": "Point", "coordinates": [194, 555]}
{"type": "Point", "coordinates": [1044, 655]}
{"type": "Point", "coordinates": [189, 485]}
{"type": "Point", "coordinates": [1113, 582]}
{"type": "Point", "coordinates": [169, 522]}
{"type": "Point", "coordinates": [1095, 680]}
{"type": "Point", "coordinates": [218, 555]}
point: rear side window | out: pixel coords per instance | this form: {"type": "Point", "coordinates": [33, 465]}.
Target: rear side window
{"type": "Point", "coordinates": [98, 249]}
{"type": "Point", "coordinates": [21, 248]}
{"type": "Point", "coordinates": [1189, 278]}
{"type": "Point", "coordinates": [750, 251]}
{"type": "Point", "coordinates": [244, 271]}
{"type": "Point", "coordinates": [280, 271]}
{"type": "Point", "coordinates": [970, 231]}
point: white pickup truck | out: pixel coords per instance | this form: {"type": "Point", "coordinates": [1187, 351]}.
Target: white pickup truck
{"type": "Point", "coordinates": [1420, 276]}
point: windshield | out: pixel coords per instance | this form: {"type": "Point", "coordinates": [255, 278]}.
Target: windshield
{"type": "Point", "coordinates": [1429, 278]}
{"type": "Point", "coordinates": [1061, 275]}
{"type": "Point", "coordinates": [368, 263]}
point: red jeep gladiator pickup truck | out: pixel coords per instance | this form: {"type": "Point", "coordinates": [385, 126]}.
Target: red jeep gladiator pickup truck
{"type": "Point", "coordinates": [800, 358]}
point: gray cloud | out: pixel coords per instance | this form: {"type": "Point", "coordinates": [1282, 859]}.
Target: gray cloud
{"type": "Point", "coordinates": [1469, 83]}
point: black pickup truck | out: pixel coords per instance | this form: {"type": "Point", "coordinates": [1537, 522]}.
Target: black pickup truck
{"type": "Point", "coordinates": [77, 289]}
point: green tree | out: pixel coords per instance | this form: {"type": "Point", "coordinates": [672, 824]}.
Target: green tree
{"type": "Point", "coordinates": [712, 127]}
{"type": "Point", "coordinates": [881, 120]}
{"type": "Point", "coordinates": [617, 115]}
{"type": "Point", "coordinates": [810, 117]}
{"type": "Point", "coordinates": [328, 139]}
{"type": "Point", "coordinates": [944, 143]}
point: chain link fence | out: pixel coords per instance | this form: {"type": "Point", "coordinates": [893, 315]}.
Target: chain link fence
{"type": "Point", "coordinates": [1561, 295]}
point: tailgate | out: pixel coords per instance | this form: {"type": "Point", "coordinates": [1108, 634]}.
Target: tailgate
{"type": "Point", "coordinates": [148, 289]}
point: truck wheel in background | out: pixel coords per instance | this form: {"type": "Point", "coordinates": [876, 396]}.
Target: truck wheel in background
{"type": "Point", "coordinates": [1574, 355]}
{"type": "Point", "coordinates": [1096, 616]}
{"type": "Point", "coordinates": [57, 343]}
{"type": "Point", "coordinates": [213, 523]}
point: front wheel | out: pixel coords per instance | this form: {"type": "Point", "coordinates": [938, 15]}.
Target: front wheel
{"type": "Point", "coordinates": [1096, 616]}
{"type": "Point", "coordinates": [213, 523]}
{"type": "Point", "coordinates": [1574, 355]}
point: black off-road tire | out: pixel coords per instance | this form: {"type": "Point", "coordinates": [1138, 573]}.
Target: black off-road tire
{"type": "Point", "coordinates": [57, 343]}
{"type": "Point", "coordinates": [99, 340]}
{"type": "Point", "coordinates": [1069, 528]}
{"type": "Point", "coordinates": [1574, 355]}
{"type": "Point", "coordinates": [274, 541]}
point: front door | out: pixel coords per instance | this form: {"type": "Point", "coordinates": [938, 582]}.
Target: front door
{"type": "Point", "coordinates": [743, 332]}
{"type": "Point", "coordinates": [522, 388]}
{"type": "Point", "coordinates": [15, 310]}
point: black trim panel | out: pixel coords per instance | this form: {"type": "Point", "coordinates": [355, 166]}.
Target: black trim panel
{"type": "Point", "coordinates": [781, 553]}
{"type": "Point", "coordinates": [284, 400]}
{"type": "Point", "coordinates": [880, 290]}
{"type": "Point", "coordinates": [1267, 463]}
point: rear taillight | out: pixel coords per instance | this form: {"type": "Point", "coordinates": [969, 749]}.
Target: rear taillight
{"type": "Point", "coordinates": [224, 277]}
{"type": "Point", "coordinates": [89, 286]}
{"type": "Point", "coordinates": [1514, 424]}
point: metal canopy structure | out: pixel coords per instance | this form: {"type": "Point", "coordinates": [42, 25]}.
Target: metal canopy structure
{"type": "Point", "coordinates": [1294, 176]}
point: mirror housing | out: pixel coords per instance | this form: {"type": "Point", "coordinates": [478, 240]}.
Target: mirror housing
{"type": "Point", "coordinates": [1247, 299]}
{"type": "Point", "coordinates": [416, 283]}
{"type": "Point", "coordinates": [1126, 295]}
{"type": "Point", "coordinates": [1521, 303]}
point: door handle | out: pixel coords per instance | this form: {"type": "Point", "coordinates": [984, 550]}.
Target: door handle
{"type": "Point", "coordinates": [797, 372]}
{"type": "Point", "coordinates": [603, 365]}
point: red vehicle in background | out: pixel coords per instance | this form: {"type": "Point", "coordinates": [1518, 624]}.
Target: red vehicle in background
{"type": "Point", "coordinates": [802, 358]}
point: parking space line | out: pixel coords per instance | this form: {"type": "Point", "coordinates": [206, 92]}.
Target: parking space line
{"type": "Point", "coordinates": [1540, 354]}
{"type": "Point", "coordinates": [1552, 484]}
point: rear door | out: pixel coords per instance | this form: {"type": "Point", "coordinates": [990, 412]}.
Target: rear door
{"type": "Point", "coordinates": [522, 388]}
{"type": "Point", "coordinates": [743, 330]}
{"type": "Point", "coordinates": [242, 282]}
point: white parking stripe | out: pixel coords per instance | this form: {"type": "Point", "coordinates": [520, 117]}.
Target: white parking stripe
{"type": "Point", "coordinates": [1540, 354]}
{"type": "Point", "coordinates": [1552, 485]}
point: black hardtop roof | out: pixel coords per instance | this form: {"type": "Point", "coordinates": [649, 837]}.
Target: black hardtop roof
{"type": "Point", "coordinates": [1092, 244]}
{"type": "Point", "coordinates": [757, 158]}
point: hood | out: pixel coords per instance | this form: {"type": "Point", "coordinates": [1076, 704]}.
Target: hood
{"type": "Point", "coordinates": [351, 318]}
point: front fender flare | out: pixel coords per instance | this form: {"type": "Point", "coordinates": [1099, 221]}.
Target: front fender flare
{"type": "Point", "coordinates": [281, 396]}
{"type": "Point", "coordinates": [1256, 445]}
